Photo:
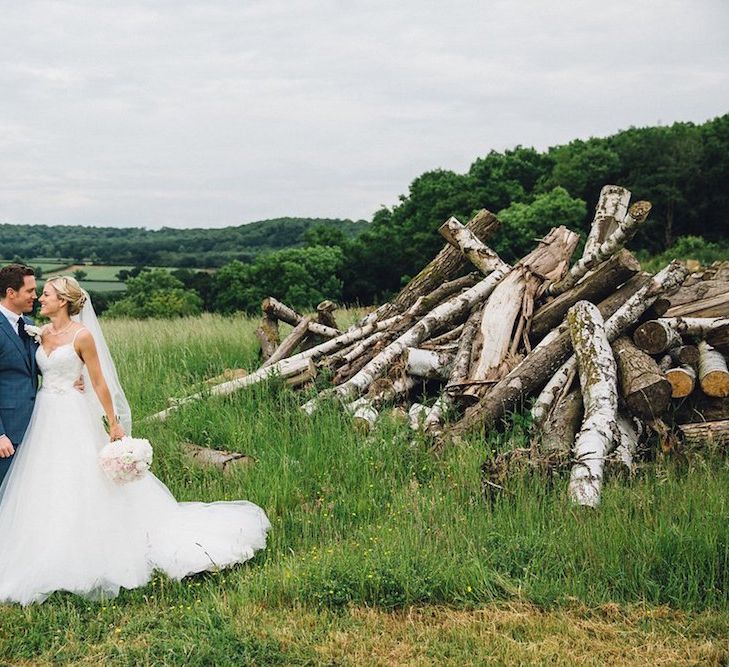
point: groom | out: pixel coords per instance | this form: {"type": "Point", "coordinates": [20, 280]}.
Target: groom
{"type": "Point", "coordinates": [18, 371]}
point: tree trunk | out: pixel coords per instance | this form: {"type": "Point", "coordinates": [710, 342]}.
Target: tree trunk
{"type": "Point", "coordinates": [275, 309]}
{"type": "Point", "coordinates": [540, 364]}
{"type": "Point", "coordinates": [656, 337]}
{"type": "Point", "coordinates": [506, 316]}
{"type": "Point", "coordinates": [611, 208]}
{"type": "Point", "coordinates": [439, 317]}
{"type": "Point", "coordinates": [713, 374]}
{"type": "Point", "coordinates": [645, 390]}
{"type": "Point", "coordinates": [636, 216]}
{"type": "Point", "coordinates": [479, 254]}
{"type": "Point", "coordinates": [594, 288]}
{"type": "Point", "coordinates": [598, 380]}
{"type": "Point", "coordinates": [268, 335]}
{"type": "Point", "coordinates": [629, 432]}
{"type": "Point", "coordinates": [558, 430]}
{"type": "Point", "coordinates": [290, 343]}
{"type": "Point", "coordinates": [429, 364]}
{"type": "Point", "coordinates": [718, 338]}
{"type": "Point", "coordinates": [705, 298]}
{"type": "Point", "coordinates": [447, 264]}
{"type": "Point", "coordinates": [682, 379]}
{"type": "Point", "coordinates": [706, 435]}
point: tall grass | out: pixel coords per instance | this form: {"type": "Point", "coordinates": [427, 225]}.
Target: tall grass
{"type": "Point", "coordinates": [377, 519]}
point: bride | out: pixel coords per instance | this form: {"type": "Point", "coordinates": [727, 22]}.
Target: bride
{"type": "Point", "coordinates": [63, 524]}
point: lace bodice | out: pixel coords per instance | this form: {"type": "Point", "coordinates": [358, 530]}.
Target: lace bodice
{"type": "Point", "coordinates": [61, 368]}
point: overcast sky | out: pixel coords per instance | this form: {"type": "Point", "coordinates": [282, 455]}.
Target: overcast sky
{"type": "Point", "coordinates": [213, 113]}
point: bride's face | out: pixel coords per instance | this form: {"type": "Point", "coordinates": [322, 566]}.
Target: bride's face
{"type": "Point", "coordinates": [49, 301]}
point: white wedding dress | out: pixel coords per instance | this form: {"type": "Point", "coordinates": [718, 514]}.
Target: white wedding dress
{"type": "Point", "coordinates": [65, 526]}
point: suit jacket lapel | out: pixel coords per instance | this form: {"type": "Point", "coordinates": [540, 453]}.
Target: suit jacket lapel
{"type": "Point", "coordinates": [5, 326]}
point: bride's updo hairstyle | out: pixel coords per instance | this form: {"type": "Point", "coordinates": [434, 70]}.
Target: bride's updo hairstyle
{"type": "Point", "coordinates": [68, 289]}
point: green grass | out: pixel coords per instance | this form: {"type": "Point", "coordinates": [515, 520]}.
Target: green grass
{"type": "Point", "coordinates": [378, 522]}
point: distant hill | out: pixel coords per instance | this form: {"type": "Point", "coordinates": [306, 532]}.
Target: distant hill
{"type": "Point", "coordinates": [163, 247]}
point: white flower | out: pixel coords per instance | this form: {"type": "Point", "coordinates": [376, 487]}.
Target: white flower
{"type": "Point", "coordinates": [34, 332]}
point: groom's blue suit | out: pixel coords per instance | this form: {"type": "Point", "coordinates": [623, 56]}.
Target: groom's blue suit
{"type": "Point", "coordinates": [18, 385]}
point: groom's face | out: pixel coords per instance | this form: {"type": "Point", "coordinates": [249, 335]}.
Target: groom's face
{"type": "Point", "coordinates": [21, 300]}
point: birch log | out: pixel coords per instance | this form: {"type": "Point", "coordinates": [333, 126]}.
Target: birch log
{"type": "Point", "coordinates": [685, 355]}
{"type": "Point", "coordinates": [612, 206]}
{"type": "Point", "coordinates": [506, 316]}
{"type": "Point", "coordinates": [447, 264]}
{"type": "Point", "coordinates": [290, 343]}
{"type": "Point", "coordinates": [706, 434]}
{"type": "Point", "coordinates": [644, 388]}
{"type": "Point", "coordinates": [558, 430]}
{"type": "Point", "coordinates": [594, 288]}
{"type": "Point", "coordinates": [598, 380]}
{"type": "Point", "coordinates": [702, 327]}
{"type": "Point", "coordinates": [478, 253]}
{"type": "Point", "coordinates": [629, 431]}
{"type": "Point", "coordinates": [286, 368]}
{"type": "Point", "coordinates": [549, 396]}
{"type": "Point", "coordinates": [428, 364]}
{"type": "Point", "coordinates": [713, 374]}
{"type": "Point", "coordinates": [705, 298]}
{"type": "Point", "coordinates": [635, 217]}
{"type": "Point", "coordinates": [446, 312]}
{"type": "Point", "coordinates": [275, 309]}
{"type": "Point", "coordinates": [325, 314]}
{"type": "Point", "coordinates": [540, 364]}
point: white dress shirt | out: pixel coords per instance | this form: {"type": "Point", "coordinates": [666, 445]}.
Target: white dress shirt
{"type": "Point", "coordinates": [11, 317]}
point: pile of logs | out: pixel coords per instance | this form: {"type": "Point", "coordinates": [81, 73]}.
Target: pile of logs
{"type": "Point", "coordinates": [610, 354]}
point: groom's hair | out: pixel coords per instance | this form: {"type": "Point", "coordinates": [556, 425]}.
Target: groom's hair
{"type": "Point", "coordinates": [12, 276]}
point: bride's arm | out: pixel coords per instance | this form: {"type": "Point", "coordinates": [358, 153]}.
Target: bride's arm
{"type": "Point", "coordinates": [86, 349]}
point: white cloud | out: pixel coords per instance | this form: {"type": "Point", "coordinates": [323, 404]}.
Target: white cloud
{"type": "Point", "coordinates": [197, 114]}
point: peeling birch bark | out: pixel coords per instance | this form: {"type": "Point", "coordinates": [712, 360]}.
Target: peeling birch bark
{"type": "Point", "coordinates": [612, 206]}
{"type": "Point", "coordinates": [626, 229]}
{"type": "Point", "coordinates": [478, 253]}
{"type": "Point", "coordinates": [598, 379]}
{"type": "Point", "coordinates": [462, 360]}
{"type": "Point", "coordinates": [505, 317]}
{"type": "Point", "coordinates": [548, 397]}
{"type": "Point", "coordinates": [694, 326]}
{"type": "Point", "coordinates": [540, 364]}
{"type": "Point", "coordinates": [713, 374]}
{"type": "Point", "coordinates": [629, 432]}
{"type": "Point", "coordinates": [447, 264]}
{"type": "Point", "coordinates": [429, 364]}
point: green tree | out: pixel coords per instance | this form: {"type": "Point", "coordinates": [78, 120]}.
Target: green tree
{"type": "Point", "coordinates": [80, 274]}
{"type": "Point", "coordinates": [156, 293]}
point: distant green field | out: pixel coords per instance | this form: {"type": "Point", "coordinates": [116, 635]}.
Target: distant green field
{"type": "Point", "coordinates": [103, 272]}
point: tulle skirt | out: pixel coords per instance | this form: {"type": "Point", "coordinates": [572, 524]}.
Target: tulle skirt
{"type": "Point", "coordinates": [65, 526]}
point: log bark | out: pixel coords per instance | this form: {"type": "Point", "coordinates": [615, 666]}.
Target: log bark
{"type": "Point", "coordinates": [635, 217]}
{"type": "Point", "coordinates": [656, 337]}
{"type": "Point", "coordinates": [698, 407]}
{"type": "Point", "coordinates": [682, 379]}
{"type": "Point", "coordinates": [540, 364]}
{"type": "Point", "coordinates": [478, 253]}
{"type": "Point", "coordinates": [325, 314]}
{"type": "Point", "coordinates": [290, 343]}
{"type": "Point", "coordinates": [644, 388]}
{"type": "Point", "coordinates": [439, 317]}
{"type": "Point", "coordinates": [550, 396]}
{"type": "Point", "coordinates": [629, 432]}
{"type": "Point", "coordinates": [268, 336]}
{"type": "Point", "coordinates": [273, 308]}
{"type": "Point", "coordinates": [685, 355]}
{"type": "Point", "coordinates": [705, 435]}
{"type": "Point", "coordinates": [718, 338]}
{"type": "Point", "coordinates": [452, 336]}
{"type": "Point", "coordinates": [594, 288]}
{"type": "Point", "coordinates": [695, 326]}
{"type": "Point", "coordinates": [706, 298]}
{"type": "Point", "coordinates": [611, 208]}
{"type": "Point", "coordinates": [462, 360]}
{"type": "Point", "coordinates": [216, 458]}
{"type": "Point", "coordinates": [598, 380]}
{"type": "Point", "coordinates": [506, 317]}
{"type": "Point", "coordinates": [713, 373]}
{"type": "Point", "coordinates": [428, 364]}
{"type": "Point", "coordinates": [558, 430]}
{"type": "Point", "coordinates": [286, 368]}
{"type": "Point", "coordinates": [447, 264]}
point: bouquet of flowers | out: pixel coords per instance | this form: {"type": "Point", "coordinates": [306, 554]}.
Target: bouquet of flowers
{"type": "Point", "coordinates": [126, 460]}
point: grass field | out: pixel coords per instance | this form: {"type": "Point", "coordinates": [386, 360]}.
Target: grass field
{"type": "Point", "coordinates": [382, 553]}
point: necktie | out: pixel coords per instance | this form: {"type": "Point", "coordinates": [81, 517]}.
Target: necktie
{"type": "Point", "coordinates": [21, 330]}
